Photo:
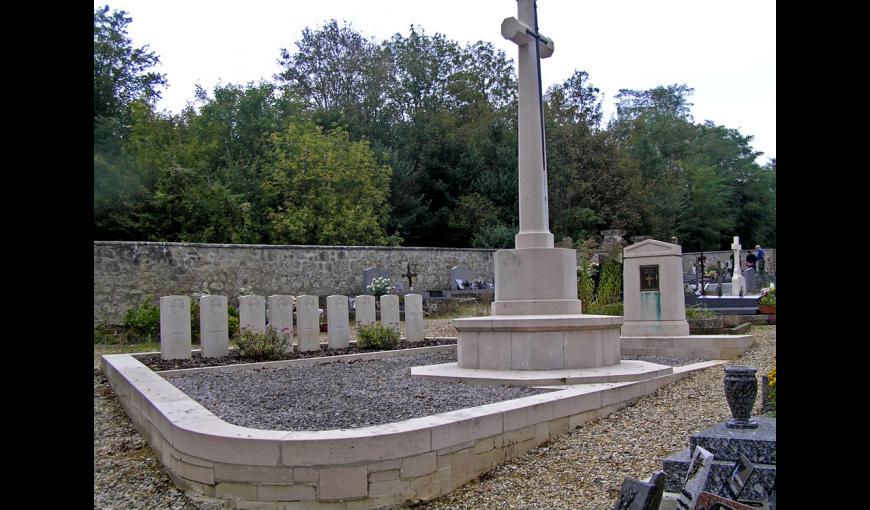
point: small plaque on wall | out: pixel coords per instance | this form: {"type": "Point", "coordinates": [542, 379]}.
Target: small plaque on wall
{"type": "Point", "coordinates": [649, 278]}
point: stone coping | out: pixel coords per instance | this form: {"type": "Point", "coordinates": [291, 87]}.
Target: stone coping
{"type": "Point", "coordinates": [708, 347]}
{"type": "Point", "coordinates": [369, 467]}
{"type": "Point", "coordinates": [536, 322]}
{"type": "Point", "coordinates": [287, 246]}
{"type": "Point", "coordinates": [625, 371]}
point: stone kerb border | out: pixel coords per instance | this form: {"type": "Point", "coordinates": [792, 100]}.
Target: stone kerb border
{"type": "Point", "coordinates": [371, 467]}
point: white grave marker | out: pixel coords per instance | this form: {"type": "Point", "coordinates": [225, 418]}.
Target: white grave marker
{"type": "Point", "coordinates": [213, 326]}
{"type": "Point", "coordinates": [338, 326]}
{"type": "Point", "coordinates": [308, 323]}
{"type": "Point", "coordinates": [365, 310]}
{"type": "Point", "coordinates": [390, 311]}
{"type": "Point", "coordinates": [175, 327]}
{"type": "Point", "coordinates": [252, 313]}
{"type": "Point", "coordinates": [281, 316]}
{"type": "Point", "coordinates": [414, 317]}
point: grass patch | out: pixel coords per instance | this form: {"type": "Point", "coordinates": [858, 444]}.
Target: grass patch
{"type": "Point", "coordinates": [459, 309]}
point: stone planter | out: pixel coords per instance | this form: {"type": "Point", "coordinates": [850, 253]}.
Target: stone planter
{"type": "Point", "coordinates": [767, 309]}
{"type": "Point", "coordinates": [741, 387]}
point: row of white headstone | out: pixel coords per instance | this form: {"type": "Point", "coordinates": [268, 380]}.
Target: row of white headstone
{"type": "Point", "coordinates": [175, 330]}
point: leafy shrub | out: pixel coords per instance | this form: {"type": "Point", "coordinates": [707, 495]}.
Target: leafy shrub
{"type": "Point", "coordinates": [607, 298]}
{"type": "Point", "coordinates": [106, 333]}
{"type": "Point", "coordinates": [610, 286]}
{"type": "Point", "coordinates": [233, 320]}
{"type": "Point", "coordinates": [698, 312]}
{"type": "Point", "coordinates": [143, 322]}
{"type": "Point", "coordinates": [595, 308]}
{"type": "Point", "coordinates": [263, 345]}
{"type": "Point", "coordinates": [380, 286]}
{"type": "Point", "coordinates": [585, 281]}
{"type": "Point", "coordinates": [377, 337]}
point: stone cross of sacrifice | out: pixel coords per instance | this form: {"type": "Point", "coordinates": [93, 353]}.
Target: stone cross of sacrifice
{"type": "Point", "coordinates": [736, 247]}
{"type": "Point", "coordinates": [534, 215]}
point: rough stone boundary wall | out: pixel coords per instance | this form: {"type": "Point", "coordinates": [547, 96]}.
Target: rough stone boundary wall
{"type": "Point", "coordinates": [125, 272]}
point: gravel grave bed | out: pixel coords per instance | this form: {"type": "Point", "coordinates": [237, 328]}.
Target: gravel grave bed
{"type": "Point", "coordinates": [337, 395]}
{"type": "Point", "coordinates": [157, 364]}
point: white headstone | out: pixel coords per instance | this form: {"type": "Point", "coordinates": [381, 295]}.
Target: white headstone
{"type": "Point", "coordinates": [281, 315]}
{"type": "Point", "coordinates": [390, 311]}
{"type": "Point", "coordinates": [175, 327]}
{"type": "Point", "coordinates": [365, 310]}
{"type": "Point", "coordinates": [214, 326]}
{"type": "Point", "coordinates": [738, 282]}
{"type": "Point", "coordinates": [338, 326]}
{"type": "Point", "coordinates": [252, 313]}
{"type": "Point", "coordinates": [308, 323]}
{"type": "Point", "coordinates": [414, 317]}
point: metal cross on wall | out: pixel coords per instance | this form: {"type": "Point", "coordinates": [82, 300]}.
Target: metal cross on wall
{"type": "Point", "coordinates": [410, 275]}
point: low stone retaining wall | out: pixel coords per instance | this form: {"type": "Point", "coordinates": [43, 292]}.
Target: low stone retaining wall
{"type": "Point", "coordinates": [710, 347]}
{"type": "Point", "coordinates": [371, 467]}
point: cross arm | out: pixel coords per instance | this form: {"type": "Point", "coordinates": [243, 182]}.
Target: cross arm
{"type": "Point", "coordinates": [521, 34]}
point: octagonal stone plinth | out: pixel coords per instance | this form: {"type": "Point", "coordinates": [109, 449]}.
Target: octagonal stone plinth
{"type": "Point", "coordinates": [538, 342]}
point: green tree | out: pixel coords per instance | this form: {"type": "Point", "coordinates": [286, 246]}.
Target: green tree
{"type": "Point", "coordinates": [342, 78]}
{"type": "Point", "coordinates": [325, 189]}
{"type": "Point", "coordinates": [591, 186]}
{"type": "Point", "coordinates": [121, 72]}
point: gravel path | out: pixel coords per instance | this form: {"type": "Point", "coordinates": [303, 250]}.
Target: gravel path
{"type": "Point", "coordinates": [337, 395]}
{"type": "Point", "coordinates": [585, 468]}
{"type": "Point", "coordinates": [579, 470]}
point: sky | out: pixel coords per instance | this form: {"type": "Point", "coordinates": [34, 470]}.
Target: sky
{"type": "Point", "coordinates": [726, 51]}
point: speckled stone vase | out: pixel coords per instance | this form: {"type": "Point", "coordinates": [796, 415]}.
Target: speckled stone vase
{"type": "Point", "coordinates": [740, 390]}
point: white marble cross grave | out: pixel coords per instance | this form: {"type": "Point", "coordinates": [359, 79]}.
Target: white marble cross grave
{"type": "Point", "coordinates": [738, 282]}
{"type": "Point", "coordinates": [736, 247]}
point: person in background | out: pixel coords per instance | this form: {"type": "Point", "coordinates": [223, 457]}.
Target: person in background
{"type": "Point", "coordinates": [760, 256]}
{"type": "Point", "coordinates": [751, 259]}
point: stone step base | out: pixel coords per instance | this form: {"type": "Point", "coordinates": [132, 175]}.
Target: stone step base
{"type": "Point", "coordinates": [707, 347]}
{"type": "Point", "coordinates": [625, 371]}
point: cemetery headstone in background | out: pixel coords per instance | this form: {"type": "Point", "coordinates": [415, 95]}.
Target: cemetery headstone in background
{"type": "Point", "coordinates": [214, 326]}
{"type": "Point", "coordinates": [370, 273]}
{"type": "Point", "coordinates": [252, 313]}
{"type": "Point", "coordinates": [337, 318]}
{"type": "Point", "coordinates": [390, 311]}
{"type": "Point", "coordinates": [414, 317]}
{"type": "Point", "coordinates": [175, 342]}
{"type": "Point", "coordinates": [460, 278]}
{"type": "Point", "coordinates": [364, 312]}
{"type": "Point", "coordinates": [281, 315]}
{"type": "Point", "coordinates": [308, 323]}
